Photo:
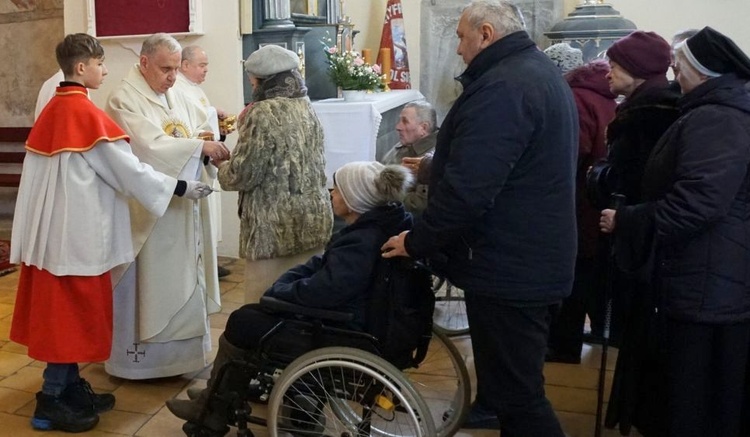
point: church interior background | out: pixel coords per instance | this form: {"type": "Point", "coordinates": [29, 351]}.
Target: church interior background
{"type": "Point", "coordinates": [229, 30]}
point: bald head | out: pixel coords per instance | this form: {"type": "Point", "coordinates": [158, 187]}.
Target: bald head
{"type": "Point", "coordinates": [194, 64]}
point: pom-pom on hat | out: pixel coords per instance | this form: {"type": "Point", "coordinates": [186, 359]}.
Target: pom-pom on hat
{"type": "Point", "coordinates": [365, 185]}
{"type": "Point", "coordinates": [642, 54]}
{"type": "Point", "coordinates": [564, 56]}
{"type": "Point", "coordinates": [714, 54]}
{"type": "Point", "coordinates": [269, 60]}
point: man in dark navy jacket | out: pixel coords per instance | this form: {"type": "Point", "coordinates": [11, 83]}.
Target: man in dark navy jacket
{"type": "Point", "coordinates": [501, 210]}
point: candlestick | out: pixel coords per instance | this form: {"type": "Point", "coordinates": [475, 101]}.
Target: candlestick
{"type": "Point", "coordinates": [367, 56]}
{"type": "Point", "coordinates": [385, 62]}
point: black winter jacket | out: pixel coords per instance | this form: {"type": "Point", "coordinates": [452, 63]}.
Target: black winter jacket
{"type": "Point", "coordinates": [697, 186]}
{"type": "Point", "coordinates": [638, 124]}
{"type": "Point", "coordinates": [340, 278]}
{"type": "Point", "coordinates": [501, 204]}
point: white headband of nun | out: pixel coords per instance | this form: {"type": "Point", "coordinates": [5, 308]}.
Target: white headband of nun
{"type": "Point", "coordinates": [685, 49]}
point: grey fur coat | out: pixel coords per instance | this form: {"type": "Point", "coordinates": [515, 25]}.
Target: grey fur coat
{"type": "Point", "coordinates": [278, 168]}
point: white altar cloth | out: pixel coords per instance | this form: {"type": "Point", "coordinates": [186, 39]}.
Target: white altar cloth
{"type": "Point", "coordinates": [351, 128]}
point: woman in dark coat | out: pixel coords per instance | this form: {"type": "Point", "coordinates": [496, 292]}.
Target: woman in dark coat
{"type": "Point", "coordinates": [639, 64]}
{"type": "Point", "coordinates": [696, 211]}
{"type": "Point", "coordinates": [367, 196]}
{"type": "Point", "coordinates": [596, 109]}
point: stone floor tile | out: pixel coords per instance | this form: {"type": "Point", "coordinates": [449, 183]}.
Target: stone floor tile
{"type": "Point", "coordinates": [14, 348]}
{"type": "Point", "coordinates": [6, 309]}
{"type": "Point", "coordinates": [5, 328]}
{"type": "Point", "coordinates": [236, 296]}
{"type": "Point", "coordinates": [10, 363]}
{"type": "Point", "coordinates": [100, 380]}
{"type": "Point", "coordinates": [218, 320]}
{"type": "Point", "coordinates": [12, 400]}
{"type": "Point", "coordinates": [28, 379]}
{"type": "Point", "coordinates": [162, 424]}
{"type": "Point", "coordinates": [143, 397]}
{"type": "Point", "coordinates": [122, 422]}
{"type": "Point", "coordinates": [575, 400]}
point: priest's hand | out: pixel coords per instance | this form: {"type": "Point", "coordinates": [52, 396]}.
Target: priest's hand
{"type": "Point", "coordinates": [197, 190]}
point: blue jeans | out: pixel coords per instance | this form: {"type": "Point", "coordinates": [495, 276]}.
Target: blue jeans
{"type": "Point", "coordinates": [58, 376]}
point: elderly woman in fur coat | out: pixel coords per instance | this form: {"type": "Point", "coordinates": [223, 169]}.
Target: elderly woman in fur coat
{"type": "Point", "coordinates": [278, 169]}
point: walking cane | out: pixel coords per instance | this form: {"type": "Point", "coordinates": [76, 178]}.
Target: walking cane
{"type": "Point", "coordinates": [617, 201]}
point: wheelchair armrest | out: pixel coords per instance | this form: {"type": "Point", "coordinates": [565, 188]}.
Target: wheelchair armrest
{"type": "Point", "coordinates": [274, 304]}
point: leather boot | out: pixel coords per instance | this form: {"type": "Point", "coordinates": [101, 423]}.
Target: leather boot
{"type": "Point", "coordinates": [190, 410]}
{"type": "Point", "coordinates": [53, 412]}
{"type": "Point", "coordinates": [82, 396]}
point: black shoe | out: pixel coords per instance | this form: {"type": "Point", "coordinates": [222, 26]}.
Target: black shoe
{"type": "Point", "coordinates": [191, 428]}
{"type": "Point", "coordinates": [480, 417]}
{"type": "Point", "coordinates": [592, 338]}
{"type": "Point", "coordinates": [222, 271]}
{"type": "Point", "coordinates": [53, 412]}
{"type": "Point", "coordinates": [81, 395]}
{"type": "Point", "coordinates": [555, 357]}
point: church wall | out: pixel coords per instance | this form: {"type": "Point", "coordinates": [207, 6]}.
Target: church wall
{"type": "Point", "coordinates": [29, 32]}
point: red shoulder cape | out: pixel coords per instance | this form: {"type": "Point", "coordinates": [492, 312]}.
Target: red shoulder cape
{"type": "Point", "coordinates": [71, 123]}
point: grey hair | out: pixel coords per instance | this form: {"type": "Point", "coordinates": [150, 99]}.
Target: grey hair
{"type": "Point", "coordinates": [157, 40]}
{"type": "Point", "coordinates": [503, 16]}
{"type": "Point", "coordinates": [188, 52]}
{"type": "Point", "coordinates": [682, 36]}
{"type": "Point", "coordinates": [425, 113]}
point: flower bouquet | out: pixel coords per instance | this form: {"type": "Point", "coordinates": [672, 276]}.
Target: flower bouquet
{"type": "Point", "coordinates": [349, 71]}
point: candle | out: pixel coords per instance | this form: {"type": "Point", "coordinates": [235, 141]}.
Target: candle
{"type": "Point", "coordinates": [385, 62]}
{"type": "Point", "coordinates": [367, 56]}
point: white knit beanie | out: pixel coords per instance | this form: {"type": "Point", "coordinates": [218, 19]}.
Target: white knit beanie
{"type": "Point", "coordinates": [566, 58]}
{"type": "Point", "coordinates": [366, 184]}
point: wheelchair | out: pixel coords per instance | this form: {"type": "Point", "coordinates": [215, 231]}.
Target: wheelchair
{"type": "Point", "coordinates": [323, 380]}
{"type": "Point", "coordinates": [450, 308]}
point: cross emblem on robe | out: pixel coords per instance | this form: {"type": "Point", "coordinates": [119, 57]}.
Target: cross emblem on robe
{"type": "Point", "coordinates": [136, 353]}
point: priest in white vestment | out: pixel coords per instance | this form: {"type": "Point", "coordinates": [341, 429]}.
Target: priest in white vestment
{"type": "Point", "coordinates": [163, 299]}
{"type": "Point", "coordinates": [192, 73]}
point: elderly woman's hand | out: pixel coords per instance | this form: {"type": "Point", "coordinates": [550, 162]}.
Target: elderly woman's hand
{"type": "Point", "coordinates": [215, 150]}
{"type": "Point", "coordinates": [607, 221]}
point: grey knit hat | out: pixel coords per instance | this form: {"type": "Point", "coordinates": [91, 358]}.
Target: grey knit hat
{"type": "Point", "coordinates": [269, 60]}
{"type": "Point", "coordinates": [365, 185]}
{"type": "Point", "coordinates": [564, 56]}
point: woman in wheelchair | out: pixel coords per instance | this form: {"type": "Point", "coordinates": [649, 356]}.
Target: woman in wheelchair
{"type": "Point", "coordinates": [367, 196]}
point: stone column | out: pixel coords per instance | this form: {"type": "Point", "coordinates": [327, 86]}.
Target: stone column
{"type": "Point", "coordinates": [277, 14]}
{"type": "Point", "coordinates": [439, 63]}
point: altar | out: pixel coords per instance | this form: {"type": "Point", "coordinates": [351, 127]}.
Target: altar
{"type": "Point", "coordinates": [361, 131]}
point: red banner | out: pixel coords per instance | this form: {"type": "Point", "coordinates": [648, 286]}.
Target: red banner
{"type": "Point", "coordinates": [394, 40]}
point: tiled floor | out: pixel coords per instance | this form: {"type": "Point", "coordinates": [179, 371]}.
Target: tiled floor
{"type": "Point", "coordinates": [140, 407]}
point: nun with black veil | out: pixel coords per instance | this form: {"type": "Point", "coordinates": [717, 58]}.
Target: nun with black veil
{"type": "Point", "coordinates": [696, 222]}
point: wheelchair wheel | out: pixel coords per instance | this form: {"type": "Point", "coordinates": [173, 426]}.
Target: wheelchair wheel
{"type": "Point", "coordinates": [450, 308]}
{"type": "Point", "coordinates": [443, 382]}
{"type": "Point", "coordinates": [346, 392]}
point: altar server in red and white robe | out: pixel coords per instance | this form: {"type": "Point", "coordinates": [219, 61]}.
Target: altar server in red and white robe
{"type": "Point", "coordinates": [70, 228]}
